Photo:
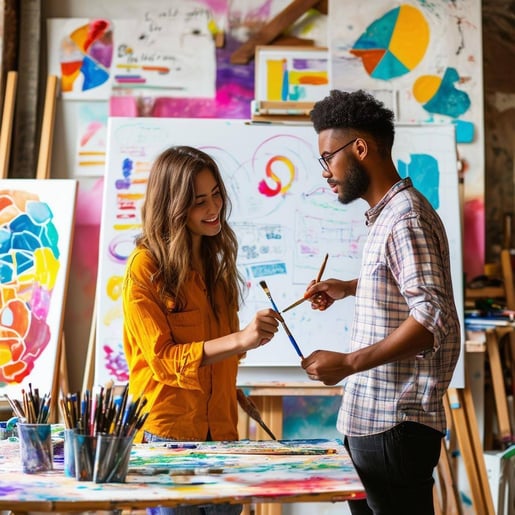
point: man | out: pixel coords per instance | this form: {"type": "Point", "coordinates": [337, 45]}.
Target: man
{"type": "Point", "coordinates": [405, 339]}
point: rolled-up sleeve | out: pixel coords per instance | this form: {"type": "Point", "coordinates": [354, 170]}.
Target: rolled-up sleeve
{"type": "Point", "coordinates": [418, 265]}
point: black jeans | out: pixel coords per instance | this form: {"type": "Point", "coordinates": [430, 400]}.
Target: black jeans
{"type": "Point", "coordinates": [396, 468]}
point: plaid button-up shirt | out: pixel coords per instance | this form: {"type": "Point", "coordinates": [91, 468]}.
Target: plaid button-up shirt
{"type": "Point", "coordinates": [405, 271]}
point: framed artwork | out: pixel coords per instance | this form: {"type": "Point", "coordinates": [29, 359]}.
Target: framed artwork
{"type": "Point", "coordinates": [290, 80]}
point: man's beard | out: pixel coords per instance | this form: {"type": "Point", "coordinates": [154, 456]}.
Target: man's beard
{"type": "Point", "coordinates": [354, 185]}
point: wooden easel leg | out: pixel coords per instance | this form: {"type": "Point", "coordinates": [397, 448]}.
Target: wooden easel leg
{"type": "Point", "coordinates": [449, 501]}
{"type": "Point", "coordinates": [465, 425]}
{"type": "Point", "coordinates": [63, 368]}
{"type": "Point", "coordinates": [7, 123]}
{"type": "Point", "coordinates": [47, 129]}
{"type": "Point", "coordinates": [59, 380]}
{"type": "Point", "coordinates": [490, 418]}
{"type": "Point", "coordinates": [478, 450]}
{"type": "Point", "coordinates": [511, 337]}
{"type": "Point", "coordinates": [497, 379]}
{"type": "Point", "coordinates": [89, 368]}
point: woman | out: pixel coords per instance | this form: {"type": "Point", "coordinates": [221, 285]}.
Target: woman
{"type": "Point", "coordinates": [181, 294]}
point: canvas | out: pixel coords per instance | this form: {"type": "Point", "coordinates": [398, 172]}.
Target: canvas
{"type": "Point", "coordinates": [36, 222]}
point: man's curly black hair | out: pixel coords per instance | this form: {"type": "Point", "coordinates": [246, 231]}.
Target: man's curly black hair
{"type": "Point", "coordinates": [355, 110]}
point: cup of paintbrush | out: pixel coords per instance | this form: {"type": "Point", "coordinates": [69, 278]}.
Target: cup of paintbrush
{"type": "Point", "coordinates": [84, 447]}
{"type": "Point", "coordinates": [112, 458]}
{"type": "Point", "coordinates": [36, 450]}
{"type": "Point", "coordinates": [69, 452]}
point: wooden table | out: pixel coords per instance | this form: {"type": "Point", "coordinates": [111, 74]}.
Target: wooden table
{"type": "Point", "coordinates": [210, 472]}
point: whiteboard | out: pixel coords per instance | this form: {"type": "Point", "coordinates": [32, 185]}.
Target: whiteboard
{"type": "Point", "coordinates": [285, 217]}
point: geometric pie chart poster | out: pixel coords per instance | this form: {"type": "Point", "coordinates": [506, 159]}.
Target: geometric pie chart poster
{"type": "Point", "coordinates": [383, 47]}
{"type": "Point", "coordinates": [424, 53]}
{"type": "Point", "coordinates": [80, 53]}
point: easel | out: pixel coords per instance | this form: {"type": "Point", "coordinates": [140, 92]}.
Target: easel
{"type": "Point", "coordinates": [7, 123]}
{"type": "Point", "coordinates": [446, 494]}
{"type": "Point", "coordinates": [272, 31]}
{"type": "Point", "coordinates": [6, 135]}
{"type": "Point", "coordinates": [60, 377]}
{"type": "Point", "coordinates": [460, 409]}
{"type": "Point", "coordinates": [89, 368]}
{"type": "Point", "coordinates": [60, 374]}
{"type": "Point", "coordinates": [493, 337]}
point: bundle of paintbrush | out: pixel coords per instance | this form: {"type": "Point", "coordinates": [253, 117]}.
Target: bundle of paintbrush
{"type": "Point", "coordinates": [33, 408]}
{"type": "Point", "coordinates": [103, 412]}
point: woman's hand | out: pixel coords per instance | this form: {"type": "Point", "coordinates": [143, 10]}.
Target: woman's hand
{"type": "Point", "coordinates": [261, 329]}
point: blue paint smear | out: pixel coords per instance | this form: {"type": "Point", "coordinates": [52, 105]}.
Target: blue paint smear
{"type": "Point", "coordinates": [25, 241]}
{"type": "Point", "coordinates": [448, 100]}
{"type": "Point", "coordinates": [310, 417]}
{"type": "Point", "coordinates": [424, 173]}
{"type": "Point", "coordinates": [23, 222]}
{"type": "Point", "coordinates": [285, 86]}
{"type": "Point", "coordinates": [39, 212]}
{"type": "Point", "coordinates": [6, 270]}
{"type": "Point", "coordinates": [5, 240]}
{"type": "Point", "coordinates": [24, 262]}
{"type": "Point", "coordinates": [389, 67]}
{"type": "Point", "coordinates": [297, 93]}
{"type": "Point", "coordinates": [93, 74]}
{"type": "Point", "coordinates": [379, 33]}
{"type": "Point", "coordinates": [264, 270]}
{"type": "Point", "coordinates": [464, 131]}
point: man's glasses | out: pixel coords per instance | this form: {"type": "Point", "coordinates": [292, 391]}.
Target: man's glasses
{"type": "Point", "coordinates": [324, 160]}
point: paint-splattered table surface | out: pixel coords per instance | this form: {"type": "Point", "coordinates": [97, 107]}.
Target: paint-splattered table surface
{"type": "Point", "coordinates": [191, 473]}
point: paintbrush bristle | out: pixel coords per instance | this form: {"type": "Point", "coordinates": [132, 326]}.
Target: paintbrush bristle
{"type": "Point", "coordinates": [263, 285]}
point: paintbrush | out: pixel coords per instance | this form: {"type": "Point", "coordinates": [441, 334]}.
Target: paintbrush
{"type": "Point", "coordinates": [290, 336]}
{"type": "Point", "coordinates": [317, 280]}
{"type": "Point", "coordinates": [248, 406]}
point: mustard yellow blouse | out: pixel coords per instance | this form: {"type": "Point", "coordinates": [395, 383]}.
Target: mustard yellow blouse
{"type": "Point", "coordinates": [164, 351]}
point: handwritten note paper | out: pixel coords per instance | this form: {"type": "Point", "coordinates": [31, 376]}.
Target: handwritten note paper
{"type": "Point", "coordinates": [170, 49]}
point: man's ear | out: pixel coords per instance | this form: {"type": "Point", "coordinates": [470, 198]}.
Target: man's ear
{"type": "Point", "coordinates": [361, 148]}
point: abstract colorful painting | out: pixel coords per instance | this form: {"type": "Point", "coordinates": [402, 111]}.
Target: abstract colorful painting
{"type": "Point", "coordinates": [91, 118]}
{"type": "Point", "coordinates": [36, 220]}
{"type": "Point", "coordinates": [291, 74]}
{"type": "Point", "coordinates": [80, 52]}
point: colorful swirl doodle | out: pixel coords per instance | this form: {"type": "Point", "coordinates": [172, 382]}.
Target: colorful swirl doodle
{"type": "Point", "coordinates": [265, 188]}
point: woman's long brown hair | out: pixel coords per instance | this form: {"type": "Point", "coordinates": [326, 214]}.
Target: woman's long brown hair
{"type": "Point", "coordinates": [169, 196]}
